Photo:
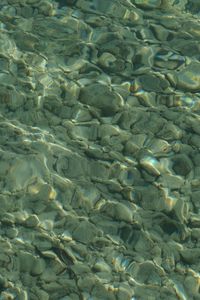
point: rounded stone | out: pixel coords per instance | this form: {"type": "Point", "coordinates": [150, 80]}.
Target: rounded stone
{"type": "Point", "coordinates": [32, 221]}
{"type": "Point", "coordinates": [101, 97]}
{"type": "Point", "coordinates": [189, 78]}
{"type": "Point", "coordinates": [106, 59]}
{"type": "Point", "coordinates": [148, 272]}
{"type": "Point", "coordinates": [192, 285]}
{"type": "Point", "coordinates": [151, 82]}
{"type": "Point", "coordinates": [11, 232]}
{"type": "Point", "coordinates": [118, 211]}
{"type": "Point", "coordinates": [182, 165]}
{"type": "Point", "coordinates": [38, 267]}
{"type": "Point", "coordinates": [26, 261]}
{"type": "Point", "coordinates": [190, 256]}
{"type": "Point", "coordinates": [151, 165]}
{"type": "Point", "coordinates": [46, 8]}
{"type": "Point", "coordinates": [85, 232]}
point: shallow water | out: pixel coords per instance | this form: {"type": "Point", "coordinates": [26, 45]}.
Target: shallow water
{"type": "Point", "coordinates": [99, 133]}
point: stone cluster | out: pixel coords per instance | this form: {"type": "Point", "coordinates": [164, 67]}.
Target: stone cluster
{"type": "Point", "coordinates": [99, 150]}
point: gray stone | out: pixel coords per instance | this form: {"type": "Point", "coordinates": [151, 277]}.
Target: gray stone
{"type": "Point", "coordinates": [85, 232]}
{"type": "Point", "coordinates": [101, 97]}
{"type": "Point", "coordinates": [188, 78]}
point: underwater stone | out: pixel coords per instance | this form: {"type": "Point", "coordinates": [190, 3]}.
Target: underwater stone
{"type": "Point", "coordinates": [32, 221]}
{"type": "Point", "coordinates": [159, 147]}
{"type": "Point", "coordinates": [46, 8]}
{"type": "Point", "coordinates": [118, 211]}
{"type": "Point", "coordinates": [101, 266]}
{"type": "Point", "coordinates": [38, 267]}
{"type": "Point", "coordinates": [148, 3]}
{"type": "Point", "coordinates": [182, 165]}
{"type": "Point", "coordinates": [170, 181]}
{"type": "Point", "coordinates": [85, 232]}
{"type": "Point", "coordinates": [151, 164]}
{"type": "Point", "coordinates": [106, 59]}
{"type": "Point", "coordinates": [151, 82]}
{"type": "Point", "coordinates": [190, 255]}
{"type": "Point", "coordinates": [188, 78]}
{"type": "Point", "coordinates": [192, 284]}
{"type": "Point", "coordinates": [149, 272]}
{"type": "Point", "coordinates": [168, 59]}
{"type": "Point", "coordinates": [170, 132]}
{"type": "Point", "coordinates": [11, 232]}
{"type": "Point", "coordinates": [27, 260]}
{"type": "Point", "coordinates": [103, 98]}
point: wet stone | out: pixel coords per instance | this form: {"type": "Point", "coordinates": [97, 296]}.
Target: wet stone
{"type": "Point", "coordinates": [170, 132]}
{"type": "Point", "coordinates": [117, 211]}
{"type": "Point", "coordinates": [188, 78]}
{"type": "Point", "coordinates": [153, 83]}
{"type": "Point", "coordinates": [63, 3]}
{"type": "Point", "coordinates": [168, 59]}
{"type": "Point", "coordinates": [149, 4]}
{"type": "Point", "coordinates": [182, 165]}
{"type": "Point", "coordinates": [85, 232]}
{"type": "Point", "coordinates": [144, 271]}
{"type": "Point", "coordinates": [190, 255]}
{"type": "Point", "coordinates": [103, 98]}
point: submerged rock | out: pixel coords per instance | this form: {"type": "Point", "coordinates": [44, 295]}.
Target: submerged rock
{"type": "Point", "coordinates": [101, 97]}
{"type": "Point", "coordinates": [188, 78]}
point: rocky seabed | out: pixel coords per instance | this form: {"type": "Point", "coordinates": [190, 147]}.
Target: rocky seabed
{"type": "Point", "coordinates": [99, 150]}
